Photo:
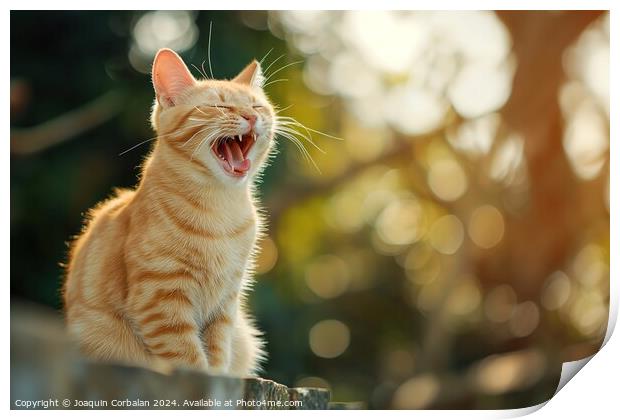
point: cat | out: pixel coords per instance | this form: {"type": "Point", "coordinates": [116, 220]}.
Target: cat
{"type": "Point", "coordinates": [158, 275]}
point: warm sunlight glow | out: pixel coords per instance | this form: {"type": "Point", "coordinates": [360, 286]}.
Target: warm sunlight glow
{"type": "Point", "coordinates": [460, 58]}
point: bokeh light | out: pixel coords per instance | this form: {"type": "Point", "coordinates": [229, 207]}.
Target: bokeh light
{"type": "Point", "coordinates": [399, 363]}
{"type": "Point", "coordinates": [507, 160]}
{"type": "Point", "coordinates": [589, 267]}
{"type": "Point", "coordinates": [476, 136]}
{"type": "Point", "coordinates": [557, 291]}
{"type": "Point", "coordinates": [414, 110]}
{"type": "Point", "coordinates": [173, 29]}
{"type": "Point", "coordinates": [464, 298]}
{"type": "Point", "coordinates": [486, 226]}
{"type": "Point", "coordinates": [586, 141]}
{"type": "Point", "coordinates": [446, 234]}
{"type": "Point", "coordinates": [500, 303]}
{"type": "Point", "coordinates": [401, 223]}
{"type": "Point", "coordinates": [416, 393]}
{"type": "Point", "coordinates": [481, 88]}
{"type": "Point", "coordinates": [525, 319]}
{"type": "Point", "coordinates": [329, 338]}
{"type": "Point", "coordinates": [585, 101]}
{"type": "Point", "coordinates": [328, 276]}
{"type": "Point", "coordinates": [588, 313]}
{"type": "Point", "coordinates": [508, 372]}
{"type": "Point", "coordinates": [313, 382]}
{"type": "Point", "coordinates": [447, 179]}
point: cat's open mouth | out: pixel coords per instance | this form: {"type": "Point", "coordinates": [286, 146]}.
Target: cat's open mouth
{"type": "Point", "coordinates": [232, 152]}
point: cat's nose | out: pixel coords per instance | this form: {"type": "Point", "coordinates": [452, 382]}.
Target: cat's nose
{"type": "Point", "coordinates": [250, 118]}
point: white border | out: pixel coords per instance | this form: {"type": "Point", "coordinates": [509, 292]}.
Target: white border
{"type": "Point", "coordinates": [315, 5]}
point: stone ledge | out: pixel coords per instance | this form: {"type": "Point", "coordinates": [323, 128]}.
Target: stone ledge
{"type": "Point", "coordinates": [45, 366]}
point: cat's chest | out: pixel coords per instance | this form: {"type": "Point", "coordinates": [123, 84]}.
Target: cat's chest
{"type": "Point", "coordinates": [219, 271]}
{"type": "Point", "coordinates": [225, 257]}
{"type": "Point", "coordinates": [214, 246]}
{"type": "Point", "coordinates": [222, 255]}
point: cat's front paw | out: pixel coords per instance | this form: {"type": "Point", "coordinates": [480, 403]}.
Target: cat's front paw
{"type": "Point", "coordinates": [218, 370]}
{"type": "Point", "coordinates": [161, 366]}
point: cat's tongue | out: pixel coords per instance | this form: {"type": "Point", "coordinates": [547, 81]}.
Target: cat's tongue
{"type": "Point", "coordinates": [234, 156]}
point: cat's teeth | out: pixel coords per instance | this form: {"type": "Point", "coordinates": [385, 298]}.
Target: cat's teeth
{"type": "Point", "coordinates": [254, 136]}
{"type": "Point", "coordinates": [239, 138]}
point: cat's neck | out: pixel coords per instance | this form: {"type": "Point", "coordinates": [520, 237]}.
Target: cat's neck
{"type": "Point", "coordinates": [166, 173]}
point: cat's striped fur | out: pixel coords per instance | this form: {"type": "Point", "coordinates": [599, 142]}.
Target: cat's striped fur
{"type": "Point", "coordinates": [157, 277]}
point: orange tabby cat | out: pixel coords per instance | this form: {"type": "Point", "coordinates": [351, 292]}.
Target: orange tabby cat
{"type": "Point", "coordinates": [157, 277]}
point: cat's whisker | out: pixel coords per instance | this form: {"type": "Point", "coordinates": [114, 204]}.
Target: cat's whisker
{"type": "Point", "coordinates": [198, 70]}
{"type": "Point", "coordinates": [304, 152]}
{"type": "Point", "coordinates": [300, 147]}
{"type": "Point", "coordinates": [294, 132]}
{"type": "Point", "coordinates": [274, 81]}
{"type": "Point", "coordinates": [292, 123]}
{"type": "Point", "coordinates": [137, 145]}
{"type": "Point", "coordinates": [209, 50]}
{"type": "Point", "coordinates": [202, 66]}
{"type": "Point", "coordinates": [208, 127]}
{"type": "Point", "coordinates": [211, 117]}
{"type": "Point", "coordinates": [207, 121]}
{"type": "Point", "coordinates": [291, 120]}
{"type": "Point", "coordinates": [198, 148]}
{"type": "Point", "coordinates": [295, 141]}
{"type": "Point", "coordinates": [272, 63]}
{"type": "Point", "coordinates": [295, 127]}
{"type": "Point", "coordinates": [282, 68]}
{"type": "Point", "coordinates": [220, 109]}
{"type": "Point", "coordinates": [265, 56]}
{"type": "Point", "coordinates": [201, 111]}
{"type": "Point", "coordinates": [207, 139]}
{"type": "Point", "coordinates": [174, 133]}
{"type": "Point", "coordinates": [278, 110]}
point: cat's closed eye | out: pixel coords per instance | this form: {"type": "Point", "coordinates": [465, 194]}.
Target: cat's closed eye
{"type": "Point", "coordinates": [229, 107]}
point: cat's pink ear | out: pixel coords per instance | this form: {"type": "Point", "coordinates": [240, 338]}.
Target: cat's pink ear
{"type": "Point", "coordinates": [251, 75]}
{"type": "Point", "coordinates": [170, 76]}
